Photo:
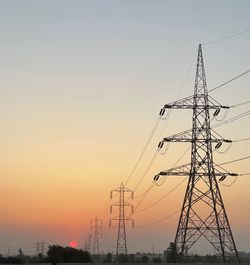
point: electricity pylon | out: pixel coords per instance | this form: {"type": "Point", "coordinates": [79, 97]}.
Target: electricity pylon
{"type": "Point", "coordinates": [121, 244]}
{"type": "Point", "coordinates": [40, 247]}
{"type": "Point", "coordinates": [203, 213]}
{"type": "Point", "coordinates": [96, 229]}
{"type": "Point", "coordinates": [87, 243]}
{"type": "Point", "coordinates": [37, 247]}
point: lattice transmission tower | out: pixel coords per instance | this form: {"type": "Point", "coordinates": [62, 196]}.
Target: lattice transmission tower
{"type": "Point", "coordinates": [87, 244]}
{"type": "Point", "coordinates": [96, 229]}
{"type": "Point", "coordinates": [40, 247]}
{"type": "Point", "coordinates": [121, 244]}
{"type": "Point", "coordinates": [203, 213]}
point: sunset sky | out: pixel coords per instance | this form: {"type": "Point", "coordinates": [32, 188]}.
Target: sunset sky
{"type": "Point", "coordinates": [81, 86]}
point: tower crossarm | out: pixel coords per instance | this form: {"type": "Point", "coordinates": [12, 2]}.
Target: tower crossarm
{"type": "Point", "coordinates": [186, 137]}
{"type": "Point", "coordinates": [188, 103]}
{"type": "Point", "coordinates": [122, 204]}
{"type": "Point", "coordinates": [184, 170]}
{"type": "Point", "coordinates": [118, 219]}
{"type": "Point", "coordinates": [121, 189]}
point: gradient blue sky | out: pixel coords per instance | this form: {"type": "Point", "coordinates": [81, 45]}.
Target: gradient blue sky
{"type": "Point", "coordinates": [81, 84]}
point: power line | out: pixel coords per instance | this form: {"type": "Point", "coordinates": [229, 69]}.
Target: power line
{"type": "Point", "coordinates": [143, 151]}
{"type": "Point", "coordinates": [157, 123]}
{"type": "Point", "coordinates": [229, 81]}
{"type": "Point", "coordinates": [236, 160]}
{"type": "Point", "coordinates": [145, 193]}
{"type": "Point", "coordinates": [181, 157]}
{"type": "Point", "coordinates": [241, 140]}
{"type": "Point", "coordinates": [237, 117]}
{"type": "Point", "coordinates": [240, 104]}
{"type": "Point", "coordinates": [244, 174]}
{"type": "Point", "coordinates": [226, 38]}
{"type": "Point", "coordinates": [163, 197]}
{"type": "Point", "coordinates": [186, 76]}
{"type": "Point", "coordinates": [144, 196]}
{"type": "Point", "coordinates": [147, 190]}
{"type": "Point", "coordinates": [159, 221]}
{"type": "Point", "coordinates": [151, 186]}
{"type": "Point", "coordinates": [146, 171]}
{"type": "Point", "coordinates": [107, 210]}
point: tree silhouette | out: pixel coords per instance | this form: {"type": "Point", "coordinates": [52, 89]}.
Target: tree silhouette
{"type": "Point", "coordinates": [60, 254]}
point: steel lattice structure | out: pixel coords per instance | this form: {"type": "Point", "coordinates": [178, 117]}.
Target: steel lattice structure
{"type": "Point", "coordinates": [121, 244]}
{"type": "Point", "coordinates": [96, 229]}
{"type": "Point", "coordinates": [203, 213]}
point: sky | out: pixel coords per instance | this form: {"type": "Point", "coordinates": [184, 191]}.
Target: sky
{"type": "Point", "coordinates": [81, 86]}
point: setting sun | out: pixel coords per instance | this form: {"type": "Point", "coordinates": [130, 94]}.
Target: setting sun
{"type": "Point", "coordinates": [73, 244]}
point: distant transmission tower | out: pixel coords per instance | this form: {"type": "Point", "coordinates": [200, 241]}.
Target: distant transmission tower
{"type": "Point", "coordinates": [37, 247]}
{"type": "Point", "coordinates": [40, 247]}
{"type": "Point", "coordinates": [87, 244]}
{"type": "Point", "coordinates": [203, 213]}
{"type": "Point", "coordinates": [96, 229]}
{"type": "Point", "coordinates": [121, 245]}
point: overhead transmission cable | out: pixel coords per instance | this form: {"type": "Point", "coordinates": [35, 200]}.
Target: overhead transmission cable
{"type": "Point", "coordinates": [146, 171]}
{"type": "Point", "coordinates": [244, 174]}
{"type": "Point", "coordinates": [144, 196]}
{"type": "Point", "coordinates": [159, 221]}
{"type": "Point", "coordinates": [240, 104]}
{"type": "Point", "coordinates": [160, 135]}
{"type": "Point", "coordinates": [237, 117]}
{"type": "Point", "coordinates": [163, 197]}
{"type": "Point", "coordinates": [143, 151]}
{"type": "Point", "coordinates": [227, 37]}
{"type": "Point", "coordinates": [229, 81]}
{"type": "Point", "coordinates": [168, 193]}
{"type": "Point", "coordinates": [233, 161]}
{"type": "Point", "coordinates": [241, 140]}
{"type": "Point", "coordinates": [145, 192]}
